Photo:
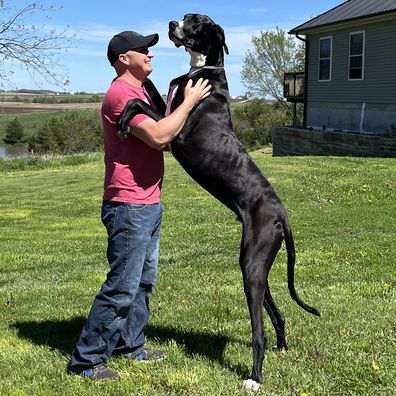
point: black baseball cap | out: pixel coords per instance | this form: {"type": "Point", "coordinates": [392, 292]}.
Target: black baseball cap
{"type": "Point", "coordinates": [126, 41]}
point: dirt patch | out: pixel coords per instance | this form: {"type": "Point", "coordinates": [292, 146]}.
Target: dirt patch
{"type": "Point", "coordinates": [19, 108]}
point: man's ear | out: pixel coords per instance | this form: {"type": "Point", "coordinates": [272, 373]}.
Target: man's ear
{"type": "Point", "coordinates": [123, 59]}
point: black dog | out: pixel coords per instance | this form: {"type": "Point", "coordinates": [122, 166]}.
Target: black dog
{"type": "Point", "coordinates": [209, 151]}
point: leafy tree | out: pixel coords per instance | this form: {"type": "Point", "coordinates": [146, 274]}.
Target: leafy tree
{"type": "Point", "coordinates": [34, 47]}
{"type": "Point", "coordinates": [273, 54]}
{"type": "Point", "coordinates": [14, 132]}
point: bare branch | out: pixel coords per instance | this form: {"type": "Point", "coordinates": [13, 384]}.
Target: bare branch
{"type": "Point", "coordinates": [35, 48]}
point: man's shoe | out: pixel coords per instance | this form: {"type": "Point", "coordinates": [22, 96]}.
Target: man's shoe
{"type": "Point", "coordinates": [147, 355]}
{"type": "Point", "coordinates": [100, 372]}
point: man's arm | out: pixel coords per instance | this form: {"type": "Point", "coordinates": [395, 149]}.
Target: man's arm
{"type": "Point", "coordinates": [158, 134]}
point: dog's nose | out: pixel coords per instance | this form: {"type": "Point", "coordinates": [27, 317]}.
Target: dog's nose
{"type": "Point", "coordinates": [173, 24]}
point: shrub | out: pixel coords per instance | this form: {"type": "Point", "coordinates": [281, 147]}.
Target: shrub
{"type": "Point", "coordinates": [253, 122]}
{"type": "Point", "coordinates": [14, 132]}
{"type": "Point", "coordinates": [75, 132]}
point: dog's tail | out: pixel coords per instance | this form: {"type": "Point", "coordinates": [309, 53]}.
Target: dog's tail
{"type": "Point", "coordinates": [291, 260]}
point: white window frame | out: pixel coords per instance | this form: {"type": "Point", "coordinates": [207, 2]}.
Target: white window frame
{"type": "Point", "coordinates": [362, 55]}
{"type": "Point", "coordinates": [331, 58]}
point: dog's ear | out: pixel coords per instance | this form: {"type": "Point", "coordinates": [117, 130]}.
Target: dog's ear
{"type": "Point", "coordinates": [220, 34]}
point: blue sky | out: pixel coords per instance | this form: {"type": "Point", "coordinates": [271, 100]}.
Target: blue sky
{"type": "Point", "coordinates": [95, 22]}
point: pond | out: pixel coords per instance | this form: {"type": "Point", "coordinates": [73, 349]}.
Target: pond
{"type": "Point", "coordinates": [14, 151]}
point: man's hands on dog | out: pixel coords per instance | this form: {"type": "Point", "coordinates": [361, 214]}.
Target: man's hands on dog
{"type": "Point", "coordinates": [194, 94]}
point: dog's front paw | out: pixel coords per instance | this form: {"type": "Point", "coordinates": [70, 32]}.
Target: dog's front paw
{"type": "Point", "coordinates": [123, 133]}
{"type": "Point", "coordinates": [276, 348]}
{"type": "Point", "coordinates": [252, 385]}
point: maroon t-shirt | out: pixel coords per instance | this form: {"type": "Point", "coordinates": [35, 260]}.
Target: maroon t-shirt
{"type": "Point", "coordinates": [133, 170]}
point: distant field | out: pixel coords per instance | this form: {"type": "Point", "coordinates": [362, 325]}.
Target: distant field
{"type": "Point", "coordinates": [48, 97]}
{"type": "Point", "coordinates": [21, 108]}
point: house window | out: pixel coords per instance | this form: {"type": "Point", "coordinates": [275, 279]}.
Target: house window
{"type": "Point", "coordinates": [325, 50]}
{"type": "Point", "coordinates": [356, 55]}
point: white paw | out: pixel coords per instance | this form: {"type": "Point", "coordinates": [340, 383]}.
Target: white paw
{"type": "Point", "coordinates": [251, 385]}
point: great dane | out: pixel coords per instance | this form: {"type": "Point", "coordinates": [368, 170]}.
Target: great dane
{"type": "Point", "coordinates": [209, 151]}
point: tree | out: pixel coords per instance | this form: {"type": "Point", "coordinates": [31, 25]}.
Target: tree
{"type": "Point", "coordinates": [273, 54]}
{"type": "Point", "coordinates": [35, 48]}
{"type": "Point", "coordinates": [14, 132]}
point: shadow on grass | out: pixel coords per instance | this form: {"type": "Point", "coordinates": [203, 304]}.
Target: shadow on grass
{"type": "Point", "coordinates": [62, 335]}
{"type": "Point", "coordinates": [195, 343]}
{"type": "Point", "coordinates": [209, 345]}
{"type": "Point", "coordinates": [56, 334]}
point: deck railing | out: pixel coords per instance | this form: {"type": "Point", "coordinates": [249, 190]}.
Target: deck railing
{"type": "Point", "coordinates": [293, 86]}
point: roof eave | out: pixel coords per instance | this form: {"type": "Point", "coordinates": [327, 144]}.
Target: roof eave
{"type": "Point", "coordinates": [373, 17]}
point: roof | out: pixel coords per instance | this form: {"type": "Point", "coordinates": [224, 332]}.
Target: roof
{"type": "Point", "coordinates": [347, 11]}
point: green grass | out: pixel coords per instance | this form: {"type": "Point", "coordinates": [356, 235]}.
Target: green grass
{"type": "Point", "coordinates": [52, 262]}
{"type": "Point", "coordinates": [8, 165]}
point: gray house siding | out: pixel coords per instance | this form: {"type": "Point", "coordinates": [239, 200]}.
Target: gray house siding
{"type": "Point", "coordinates": [367, 105]}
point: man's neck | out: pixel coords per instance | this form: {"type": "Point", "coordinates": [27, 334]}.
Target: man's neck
{"type": "Point", "coordinates": [131, 79]}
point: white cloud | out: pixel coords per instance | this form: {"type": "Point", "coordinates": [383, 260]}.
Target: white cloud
{"type": "Point", "coordinates": [239, 38]}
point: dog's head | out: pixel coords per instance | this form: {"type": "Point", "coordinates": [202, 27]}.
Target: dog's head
{"type": "Point", "coordinates": [201, 37]}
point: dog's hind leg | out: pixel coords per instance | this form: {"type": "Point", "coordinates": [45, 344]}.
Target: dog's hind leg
{"type": "Point", "coordinates": [277, 319]}
{"type": "Point", "coordinates": [254, 286]}
{"type": "Point", "coordinates": [260, 244]}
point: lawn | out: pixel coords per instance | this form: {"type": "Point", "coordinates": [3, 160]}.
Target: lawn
{"type": "Point", "coordinates": [52, 262]}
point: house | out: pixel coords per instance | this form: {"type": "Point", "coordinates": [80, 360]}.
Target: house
{"type": "Point", "coordinates": [350, 71]}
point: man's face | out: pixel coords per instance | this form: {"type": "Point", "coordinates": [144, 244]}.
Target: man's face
{"type": "Point", "coordinates": [138, 61]}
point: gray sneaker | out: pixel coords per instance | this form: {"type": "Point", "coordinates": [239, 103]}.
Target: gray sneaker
{"type": "Point", "coordinates": [100, 372]}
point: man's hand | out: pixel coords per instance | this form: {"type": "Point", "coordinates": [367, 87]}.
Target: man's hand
{"type": "Point", "coordinates": [194, 94]}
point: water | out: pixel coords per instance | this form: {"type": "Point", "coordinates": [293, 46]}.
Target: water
{"type": "Point", "coordinates": [14, 151]}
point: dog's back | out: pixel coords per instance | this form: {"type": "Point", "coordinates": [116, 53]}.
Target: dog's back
{"type": "Point", "coordinates": [208, 149]}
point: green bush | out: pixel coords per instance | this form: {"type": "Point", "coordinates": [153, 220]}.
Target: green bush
{"type": "Point", "coordinates": [253, 122]}
{"type": "Point", "coordinates": [14, 132]}
{"type": "Point", "coordinates": [75, 132]}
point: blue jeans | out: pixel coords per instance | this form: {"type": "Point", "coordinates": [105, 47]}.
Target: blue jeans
{"type": "Point", "coordinates": [120, 310]}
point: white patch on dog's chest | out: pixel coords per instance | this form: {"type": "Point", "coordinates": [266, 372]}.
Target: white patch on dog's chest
{"type": "Point", "coordinates": [197, 59]}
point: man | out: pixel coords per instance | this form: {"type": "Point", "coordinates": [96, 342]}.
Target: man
{"type": "Point", "coordinates": [131, 212]}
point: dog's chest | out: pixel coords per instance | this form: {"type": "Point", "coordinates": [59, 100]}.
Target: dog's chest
{"type": "Point", "coordinates": [175, 92]}
{"type": "Point", "coordinates": [171, 97]}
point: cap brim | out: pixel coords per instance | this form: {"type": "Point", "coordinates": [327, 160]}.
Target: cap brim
{"type": "Point", "coordinates": [149, 41]}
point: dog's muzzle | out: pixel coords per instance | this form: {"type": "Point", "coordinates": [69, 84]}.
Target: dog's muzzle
{"type": "Point", "coordinates": [173, 25]}
{"type": "Point", "coordinates": [176, 33]}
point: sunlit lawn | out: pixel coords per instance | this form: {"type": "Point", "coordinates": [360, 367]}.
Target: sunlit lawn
{"type": "Point", "coordinates": [52, 262]}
